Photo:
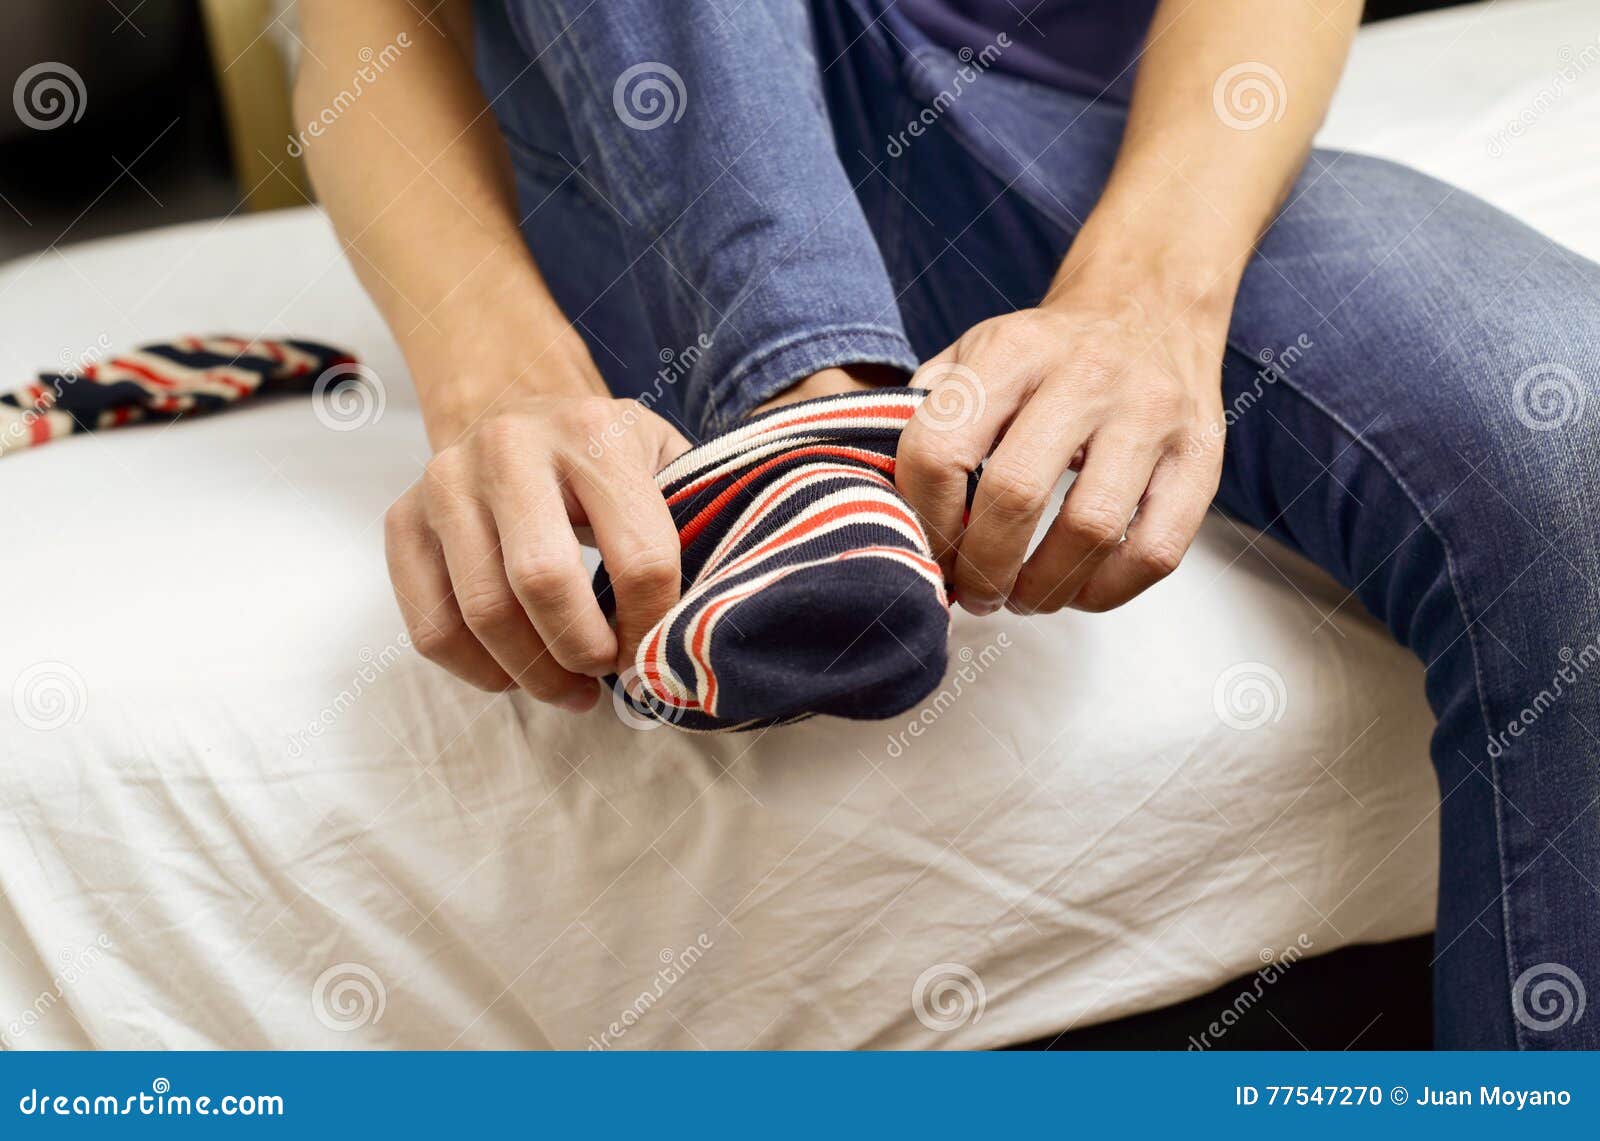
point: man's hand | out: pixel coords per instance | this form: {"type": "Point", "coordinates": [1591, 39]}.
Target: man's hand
{"type": "Point", "coordinates": [483, 549]}
{"type": "Point", "coordinates": [1097, 380]}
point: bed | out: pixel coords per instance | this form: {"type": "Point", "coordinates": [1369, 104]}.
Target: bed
{"type": "Point", "coordinates": [237, 810]}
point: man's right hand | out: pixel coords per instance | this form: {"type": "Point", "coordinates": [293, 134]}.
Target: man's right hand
{"type": "Point", "coordinates": [484, 549]}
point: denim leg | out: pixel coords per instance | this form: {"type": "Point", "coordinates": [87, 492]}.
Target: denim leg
{"type": "Point", "coordinates": [706, 135]}
{"type": "Point", "coordinates": [1429, 434]}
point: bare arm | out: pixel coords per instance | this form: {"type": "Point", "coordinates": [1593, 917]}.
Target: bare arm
{"type": "Point", "coordinates": [416, 178]}
{"type": "Point", "coordinates": [483, 550]}
{"type": "Point", "coordinates": [1119, 368]}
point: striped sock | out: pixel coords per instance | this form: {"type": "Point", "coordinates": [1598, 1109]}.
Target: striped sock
{"type": "Point", "coordinates": [808, 583]}
{"type": "Point", "coordinates": [189, 376]}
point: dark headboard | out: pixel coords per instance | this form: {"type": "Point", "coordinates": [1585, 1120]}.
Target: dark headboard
{"type": "Point", "coordinates": [1383, 9]}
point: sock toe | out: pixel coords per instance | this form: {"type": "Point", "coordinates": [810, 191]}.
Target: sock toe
{"type": "Point", "coordinates": [865, 641]}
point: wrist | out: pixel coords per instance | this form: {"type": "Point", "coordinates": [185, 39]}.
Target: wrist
{"type": "Point", "coordinates": [1185, 271]}
{"type": "Point", "coordinates": [461, 374]}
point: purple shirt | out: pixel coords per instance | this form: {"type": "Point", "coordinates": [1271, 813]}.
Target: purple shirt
{"type": "Point", "coordinates": [1080, 45]}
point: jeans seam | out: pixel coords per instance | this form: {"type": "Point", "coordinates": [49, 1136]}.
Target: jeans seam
{"type": "Point", "coordinates": [1477, 670]}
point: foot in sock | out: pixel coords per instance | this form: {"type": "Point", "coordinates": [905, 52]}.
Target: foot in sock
{"type": "Point", "coordinates": [808, 585]}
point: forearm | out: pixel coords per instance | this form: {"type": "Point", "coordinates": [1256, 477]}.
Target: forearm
{"type": "Point", "coordinates": [1228, 99]}
{"type": "Point", "coordinates": [415, 176]}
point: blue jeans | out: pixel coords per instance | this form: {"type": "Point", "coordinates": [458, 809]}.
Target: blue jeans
{"type": "Point", "coordinates": [1409, 377]}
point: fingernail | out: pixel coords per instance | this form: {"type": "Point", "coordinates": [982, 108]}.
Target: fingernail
{"type": "Point", "coordinates": [982, 607]}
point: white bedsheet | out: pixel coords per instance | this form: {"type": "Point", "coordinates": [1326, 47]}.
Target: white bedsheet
{"type": "Point", "coordinates": [1083, 828]}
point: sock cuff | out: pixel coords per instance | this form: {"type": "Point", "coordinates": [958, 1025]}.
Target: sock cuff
{"type": "Point", "coordinates": [872, 415]}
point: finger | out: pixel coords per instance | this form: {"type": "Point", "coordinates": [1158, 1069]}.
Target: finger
{"type": "Point", "coordinates": [490, 607]}
{"type": "Point", "coordinates": [1094, 516]}
{"type": "Point", "coordinates": [1012, 495]}
{"type": "Point", "coordinates": [943, 444]}
{"type": "Point", "coordinates": [422, 589]}
{"type": "Point", "coordinates": [1180, 494]}
{"type": "Point", "coordinates": [639, 541]}
{"type": "Point", "coordinates": [544, 566]}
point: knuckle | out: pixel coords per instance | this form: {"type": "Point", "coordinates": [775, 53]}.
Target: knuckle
{"type": "Point", "coordinates": [440, 477]}
{"type": "Point", "coordinates": [1093, 601]}
{"type": "Point", "coordinates": [1097, 524]}
{"type": "Point", "coordinates": [1158, 557]}
{"type": "Point", "coordinates": [648, 572]}
{"type": "Point", "coordinates": [1015, 492]}
{"type": "Point", "coordinates": [437, 640]}
{"type": "Point", "coordinates": [400, 523]}
{"type": "Point", "coordinates": [586, 656]}
{"type": "Point", "coordinates": [596, 417]}
{"type": "Point", "coordinates": [502, 435]}
{"type": "Point", "coordinates": [1034, 596]}
{"type": "Point", "coordinates": [488, 608]}
{"type": "Point", "coordinates": [538, 582]}
{"type": "Point", "coordinates": [915, 461]}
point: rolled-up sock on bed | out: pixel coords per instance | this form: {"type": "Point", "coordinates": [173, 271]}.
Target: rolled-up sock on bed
{"type": "Point", "coordinates": [808, 585]}
{"type": "Point", "coordinates": [185, 377]}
